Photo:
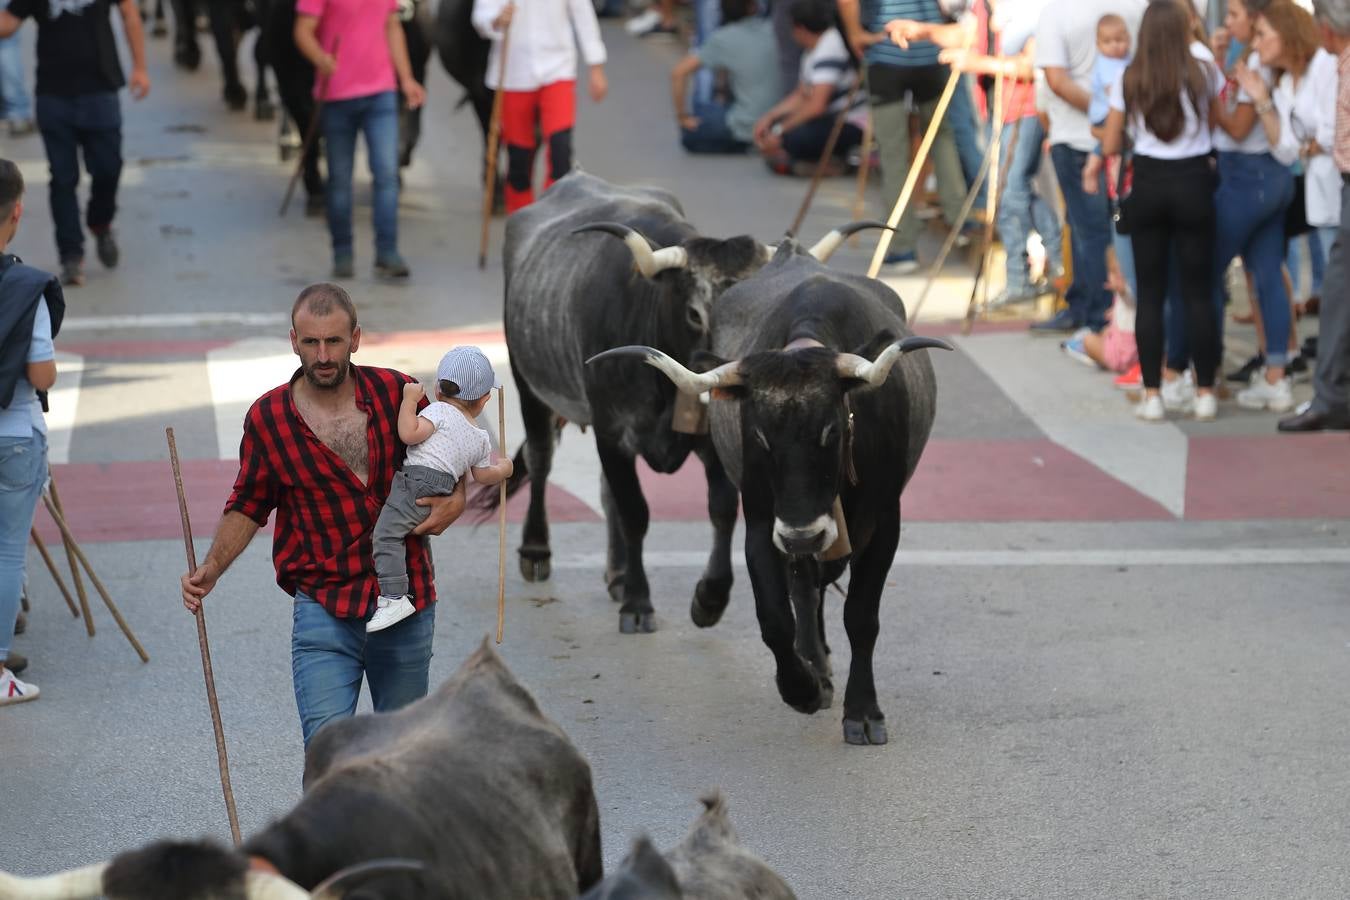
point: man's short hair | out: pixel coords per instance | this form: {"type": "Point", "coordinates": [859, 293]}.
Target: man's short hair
{"type": "Point", "coordinates": [322, 298]}
{"type": "Point", "coordinates": [1336, 13]}
{"type": "Point", "coordinates": [814, 15]}
{"type": "Point", "coordinates": [735, 10]}
{"type": "Point", "coordinates": [11, 187]}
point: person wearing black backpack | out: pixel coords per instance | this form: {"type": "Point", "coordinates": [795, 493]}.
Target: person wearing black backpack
{"type": "Point", "coordinates": [31, 309]}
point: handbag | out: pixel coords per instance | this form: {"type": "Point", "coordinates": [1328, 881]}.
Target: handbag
{"type": "Point", "coordinates": [1322, 189]}
{"type": "Point", "coordinates": [1120, 218]}
{"type": "Point", "coordinates": [1296, 213]}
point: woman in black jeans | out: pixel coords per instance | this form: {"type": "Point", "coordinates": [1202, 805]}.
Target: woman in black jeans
{"type": "Point", "coordinates": [1164, 99]}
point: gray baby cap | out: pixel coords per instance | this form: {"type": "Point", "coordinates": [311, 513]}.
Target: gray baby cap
{"type": "Point", "coordinates": [470, 369]}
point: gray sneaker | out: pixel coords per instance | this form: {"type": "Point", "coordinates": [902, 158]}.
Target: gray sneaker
{"type": "Point", "coordinates": [72, 272]}
{"type": "Point", "coordinates": [391, 266]}
{"type": "Point", "coordinates": [343, 267]}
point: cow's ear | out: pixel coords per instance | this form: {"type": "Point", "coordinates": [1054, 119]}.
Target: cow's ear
{"type": "Point", "coordinates": [880, 341]}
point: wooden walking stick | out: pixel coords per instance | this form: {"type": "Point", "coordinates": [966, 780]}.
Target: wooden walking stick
{"type": "Point", "coordinates": [70, 558]}
{"type": "Point", "coordinates": [60, 521]}
{"type": "Point", "coordinates": [824, 159]}
{"type": "Point", "coordinates": [222, 759]}
{"type": "Point", "coordinates": [501, 518]}
{"type": "Point", "coordinates": [56, 573]}
{"type": "Point", "coordinates": [915, 166]}
{"type": "Point", "coordinates": [991, 209]}
{"type": "Point", "coordinates": [493, 136]}
{"type": "Point", "coordinates": [311, 134]}
{"type": "Point", "coordinates": [864, 170]}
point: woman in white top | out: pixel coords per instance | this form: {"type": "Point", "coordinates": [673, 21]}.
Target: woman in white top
{"type": "Point", "coordinates": [1166, 95]}
{"type": "Point", "coordinates": [1299, 121]}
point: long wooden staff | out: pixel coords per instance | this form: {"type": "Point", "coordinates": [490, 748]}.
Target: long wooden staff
{"type": "Point", "coordinates": [56, 574]}
{"type": "Point", "coordinates": [222, 759]}
{"type": "Point", "coordinates": [501, 518]}
{"type": "Point", "coordinates": [825, 157]}
{"type": "Point", "coordinates": [864, 169]}
{"type": "Point", "coordinates": [311, 134]}
{"type": "Point", "coordinates": [494, 133]}
{"type": "Point", "coordinates": [915, 166]}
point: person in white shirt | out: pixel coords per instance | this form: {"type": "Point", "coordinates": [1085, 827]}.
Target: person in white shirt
{"type": "Point", "coordinates": [1165, 99]}
{"type": "Point", "coordinates": [540, 81]}
{"type": "Point", "coordinates": [444, 445]}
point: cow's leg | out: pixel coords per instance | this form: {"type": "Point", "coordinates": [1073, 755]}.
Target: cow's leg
{"type": "Point", "coordinates": [225, 32]}
{"type": "Point", "coordinates": [535, 554]}
{"type": "Point", "coordinates": [797, 683]}
{"type": "Point", "coordinates": [804, 590]}
{"type": "Point", "coordinates": [616, 550]}
{"type": "Point", "coordinates": [864, 722]}
{"type": "Point", "coordinates": [636, 614]}
{"type": "Point", "coordinates": [714, 589]}
{"type": "Point", "coordinates": [187, 53]}
{"type": "Point", "coordinates": [263, 108]}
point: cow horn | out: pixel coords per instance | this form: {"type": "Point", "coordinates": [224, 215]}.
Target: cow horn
{"type": "Point", "coordinates": [831, 242]}
{"type": "Point", "coordinates": [76, 884]}
{"type": "Point", "coordinates": [269, 886]}
{"type": "Point", "coordinates": [649, 261]}
{"type": "Point", "coordinates": [690, 382]}
{"type": "Point", "coordinates": [329, 889]}
{"type": "Point", "coordinates": [851, 365]}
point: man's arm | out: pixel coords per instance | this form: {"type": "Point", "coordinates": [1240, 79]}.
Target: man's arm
{"type": "Point", "coordinates": [41, 375]}
{"type": "Point", "coordinates": [444, 510]}
{"type": "Point", "coordinates": [814, 101]}
{"type": "Point", "coordinates": [679, 76]}
{"type": "Point", "coordinates": [307, 42]}
{"type": "Point", "coordinates": [850, 16]}
{"type": "Point", "coordinates": [131, 24]}
{"type": "Point", "coordinates": [1068, 90]}
{"type": "Point", "coordinates": [413, 92]}
{"type": "Point", "coordinates": [412, 428]}
{"type": "Point", "coordinates": [232, 536]}
{"type": "Point", "coordinates": [9, 23]}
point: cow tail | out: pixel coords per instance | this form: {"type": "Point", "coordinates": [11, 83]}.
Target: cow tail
{"type": "Point", "coordinates": [485, 500]}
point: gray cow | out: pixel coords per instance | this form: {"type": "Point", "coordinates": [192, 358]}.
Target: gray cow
{"type": "Point", "coordinates": [815, 403]}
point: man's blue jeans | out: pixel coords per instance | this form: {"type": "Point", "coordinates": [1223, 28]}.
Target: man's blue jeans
{"type": "Point", "coordinates": [1022, 209]}
{"type": "Point", "coordinates": [23, 470]}
{"type": "Point", "coordinates": [15, 103]}
{"type": "Point", "coordinates": [1090, 232]}
{"type": "Point", "coordinates": [966, 131]}
{"type": "Point", "coordinates": [712, 134]}
{"type": "Point", "coordinates": [377, 117]}
{"type": "Point", "coordinates": [329, 655]}
{"type": "Point", "coordinates": [90, 124]}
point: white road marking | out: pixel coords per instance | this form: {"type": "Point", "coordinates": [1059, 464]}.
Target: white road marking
{"type": "Point", "coordinates": [172, 320]}
{"type": "Point", "coordinates": [238, 375]}
{"type": "Point", "coordinates": [62, 401]}
{"type": "Point", "coordinates": [1230, 556]}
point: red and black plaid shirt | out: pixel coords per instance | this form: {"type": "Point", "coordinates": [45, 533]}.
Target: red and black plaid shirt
{"type": "Point", "coordinates": [325, 515]}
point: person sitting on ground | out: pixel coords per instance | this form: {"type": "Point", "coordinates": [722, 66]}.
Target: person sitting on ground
{"type": "Point", "coordinates": [31, 309]}
{"type": "Point", "coordinates": [1113, 348]}
{"type": "Point", "coordinates": [444, 445]}
{"type": "Point", "coordinates": [744, 46]}
{"type": "Point", "coordinates": [792, 136]}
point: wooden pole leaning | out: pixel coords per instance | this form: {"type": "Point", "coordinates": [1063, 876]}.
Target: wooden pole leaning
{"type": "Point", "coordinates": [824, 159]}
{"type": "Point", "coordinates": [222, 758]}
{"type": "Point", "coordinates": [981, 285]}
{"type": "Point", "coordinates": [56, 573]}
{"type": "Point", "coordinates": [915, 167]}
{"type": "Point", "coordinates": [995, 201]}
{"type": "Point", "coordinates": [501, 518]}
{"type": "Point", "coordinates": [68, 543]}
{"type": "Point", "coordinates": [60, 521]}
{"type": "Point", "coordinates": [493, 139]}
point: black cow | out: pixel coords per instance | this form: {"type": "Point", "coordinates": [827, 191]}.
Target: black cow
{"type": "Point", "coordinates": [229, 19]}
{"type": "Point", "coordinates": [473, 787]}
{"type": "Point", "coordinates": [805, 413]}
{"type": "Point", "coordinates": [709, 864]}
{"type": "Point", "coordinates": [464, 54]}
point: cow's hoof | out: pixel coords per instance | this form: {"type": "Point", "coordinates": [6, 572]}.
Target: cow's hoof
{"type": "Point", "coordinates": [264, 110]}
{"type": "Point", "coordinates": [637, 623]}
{"type": "Point", "coordinates": [187, 58]}
{"type": "Point", "coordinates": [865, 731]}
{"type": "Point", "coordinates": [710, 601]}
{"type": "Point", "coordinates": [534, 569]}
{"type": "Point", "coordinates": [236, 98]}
{"type": "Point", "coordinates": [801, 691]}
{"type": "Point", "coordinates": [826, 694]}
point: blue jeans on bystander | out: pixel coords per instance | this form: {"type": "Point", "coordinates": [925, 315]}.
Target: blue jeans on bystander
{"type": "Point", "coordinates": [1022, 209]}
{"type": "Point", "coordinates": [90, 124]}
{"type": "Point", "coordinates": [16, 105]}
{"type": "Point", "coordinates": [329, 656]}
{"type": "Point", "coordinates": [23, 470]}
{"type": "Point", "coordinates": [1090, 232]}
{"type": "Point", "coordinates": [376, 116]}
{"type": "Point", "coordinates": [712, 134]}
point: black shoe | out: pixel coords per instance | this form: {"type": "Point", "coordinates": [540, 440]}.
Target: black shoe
{"type": "Point", "coordinates": [16, 662]}
{"type": "Point", "coordinates": [108, 254]}
{"type": "Point", "coordinates": [72, 272]}
{"type": "Point", "coordinates": [1297, 369]}
{"type": "Point", "coordinates": [1249, 368]}
{"type": "Point", "coordinates": [1309, 348]}
{"type": "Point", "coordinates": [236, 98]}
{"type": "Point", "coordinates": [391, 266]}
{"type": "Point", "coordinates": [1315, 420]}
{"type": "Point", "coordinates": [21, 623]}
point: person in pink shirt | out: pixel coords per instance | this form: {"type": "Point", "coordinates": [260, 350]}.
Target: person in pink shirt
{"type": "Point", "coordinates": [361, 61]}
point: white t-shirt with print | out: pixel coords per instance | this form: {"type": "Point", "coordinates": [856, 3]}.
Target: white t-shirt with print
{"type": "Point", "coordinates": [1194, 139]}
{"type": "Point", "coordinates": [456, 445]}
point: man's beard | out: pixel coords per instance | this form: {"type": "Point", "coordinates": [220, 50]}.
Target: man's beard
{"type": "Point", "coordinates": [327, 381]}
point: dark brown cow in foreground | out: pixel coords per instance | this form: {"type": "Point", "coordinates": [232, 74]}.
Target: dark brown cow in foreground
{"type": "Point", "coordinates": [473, 787]}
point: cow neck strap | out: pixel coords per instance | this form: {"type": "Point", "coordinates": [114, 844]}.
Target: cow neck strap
{"type": "Point", "coordinates": [849, 468]}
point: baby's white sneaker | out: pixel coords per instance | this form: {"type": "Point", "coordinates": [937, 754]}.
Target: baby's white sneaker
{"type": "Point", "coordinates": [390, 611]}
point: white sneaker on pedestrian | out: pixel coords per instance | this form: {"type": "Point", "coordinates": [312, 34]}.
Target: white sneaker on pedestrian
{"type": "Point", "coordinates": [644, 22]}
{"type": "Point", "coordinates": [12, 690]}
{"type": "Point", "coordinates": [1261, 394]}
{"type": "Point", "coordinates": [1151, 409]}
{"type": "Point", "coordinates": [1178, 395]}
{"type": "Point", "coordinates": [1206, 407]}
{"type": "Point", "coordinates": [390, 611]}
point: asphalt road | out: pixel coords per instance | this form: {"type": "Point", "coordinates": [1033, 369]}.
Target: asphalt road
{"type": "Point", "coordinates": [1079, 706]}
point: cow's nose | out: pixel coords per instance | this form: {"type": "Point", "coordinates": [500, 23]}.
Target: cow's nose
{"type": "Point", "coordinates": [804, 540]}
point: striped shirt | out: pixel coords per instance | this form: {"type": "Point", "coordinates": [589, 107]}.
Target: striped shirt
{"type": "Point", "coordinates": [1341, 152]}
{"type": "Point", "coordinates": [876, 13]}
{"type": "Point", "coordinates": [325, 515]}
{"type": "Point", "coordinates": [829, 63]}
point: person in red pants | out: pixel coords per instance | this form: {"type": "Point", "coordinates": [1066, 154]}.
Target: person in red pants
{"type": "Point", "coordinates": [540, 96]}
